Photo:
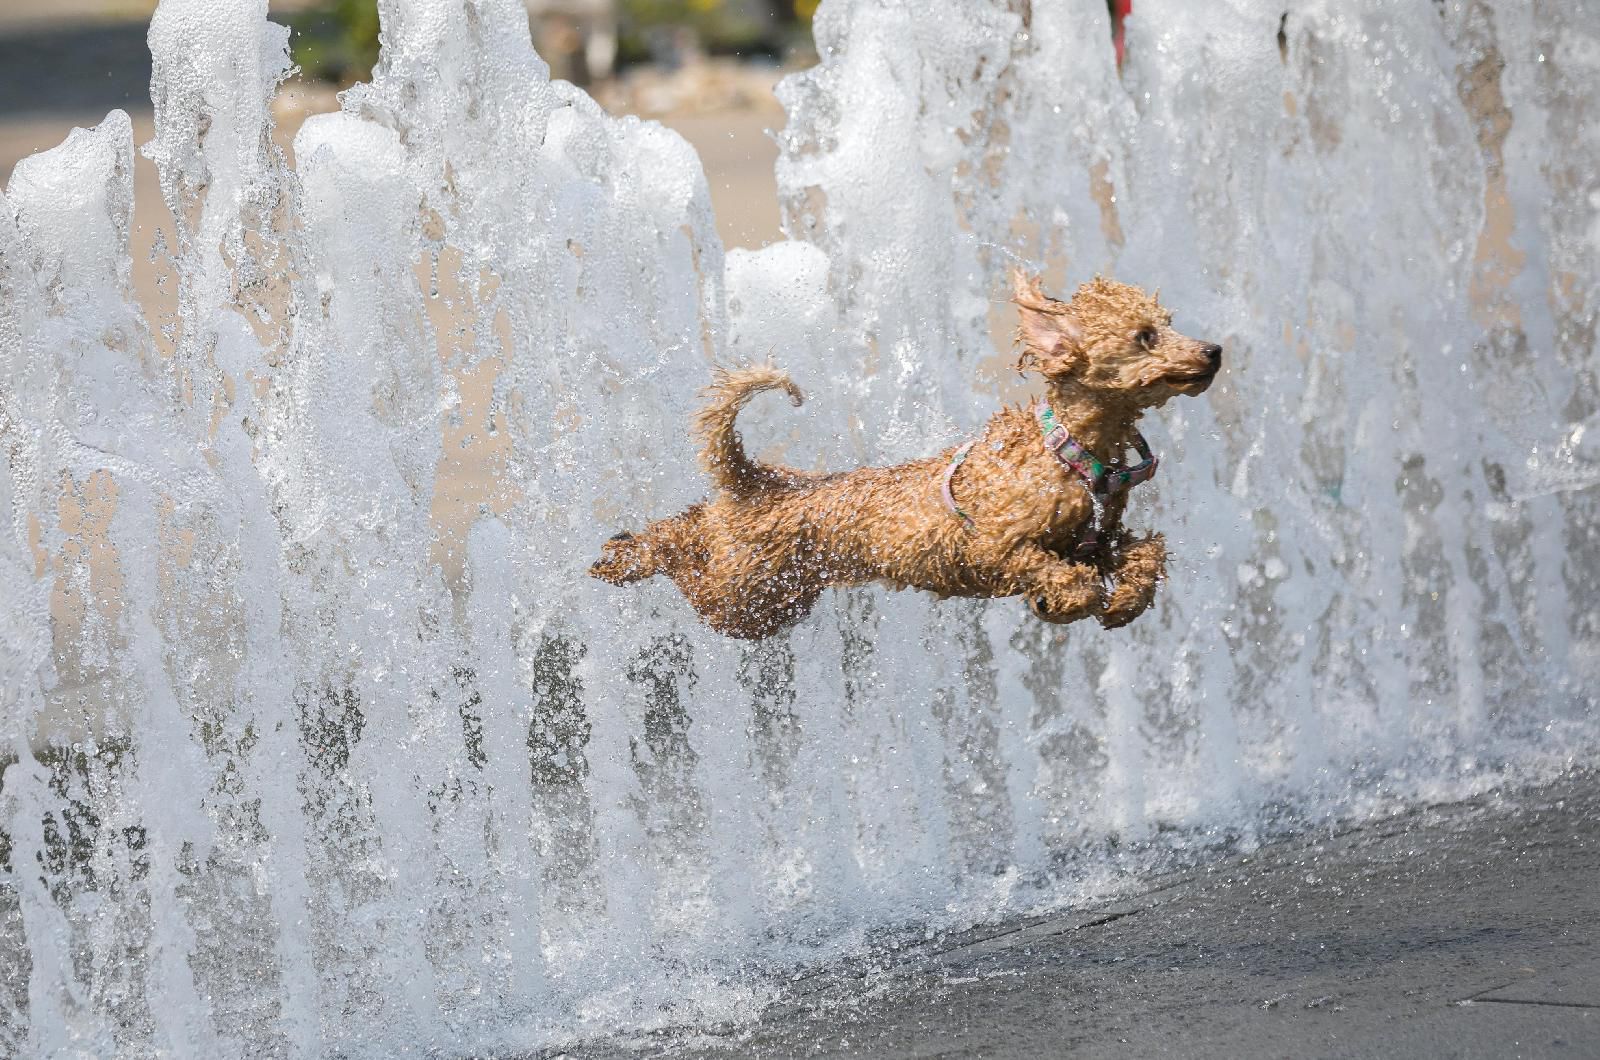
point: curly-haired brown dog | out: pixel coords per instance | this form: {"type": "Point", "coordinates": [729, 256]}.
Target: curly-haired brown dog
{"type": "Point", "coordinates": [1033, 507]}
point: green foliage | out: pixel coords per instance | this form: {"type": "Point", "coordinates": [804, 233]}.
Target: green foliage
{"type": "Point", "coordinates": [718, 25]}
{"type": "Point", "coordinates": [337, 41]}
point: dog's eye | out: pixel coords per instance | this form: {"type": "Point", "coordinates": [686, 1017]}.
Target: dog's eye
{"type": "Point", "coordinates": [1146, 338]}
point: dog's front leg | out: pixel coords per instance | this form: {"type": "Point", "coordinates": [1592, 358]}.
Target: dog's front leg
{"type": "Point", "coordinates": [1138, 567]}
{"type": "Point", "coordinates": [1057, 590]}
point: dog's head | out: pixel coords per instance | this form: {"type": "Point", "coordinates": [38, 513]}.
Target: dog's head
{"type": "Point", "coordinates": [1111, 337]}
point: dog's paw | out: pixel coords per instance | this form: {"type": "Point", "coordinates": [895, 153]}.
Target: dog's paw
{"type": "Point", "coordinates": [1117, 617]}
{"type": "Point", "coordinates": [1060, 604]}
{"type": "Point", "coordinates": [1041, 611]}
{"type": "Point", "coordinates": [1139, 568]}
{"type": "Point", "coordinates": [1126, 602]}
{"type": "Point", "coordinates": [623, 559]}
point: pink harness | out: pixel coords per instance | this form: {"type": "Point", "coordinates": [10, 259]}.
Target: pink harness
{"type": "Point", "coordinates": [1101, 481]}
{"type": "Point", "coordinates": [950, 473]}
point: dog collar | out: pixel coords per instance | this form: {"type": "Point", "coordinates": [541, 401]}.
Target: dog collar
{"type": "Point", "coordinates": [1102, 481]}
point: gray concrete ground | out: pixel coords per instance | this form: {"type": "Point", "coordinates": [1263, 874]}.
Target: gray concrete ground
{"type": "Point", "coordinates": [1470, 930]}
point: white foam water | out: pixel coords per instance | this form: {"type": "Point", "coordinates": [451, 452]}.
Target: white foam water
{"type": "Point", "coordinates": [320, 742]}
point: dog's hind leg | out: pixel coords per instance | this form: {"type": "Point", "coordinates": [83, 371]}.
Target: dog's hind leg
{"type": "Point", "coordinates": [658, 549]}
{"type": "Point", "coordinates": [624, 558]}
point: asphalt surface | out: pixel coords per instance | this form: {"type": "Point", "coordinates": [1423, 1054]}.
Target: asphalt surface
{"type": "Point", "coordinates": [1469, 930]}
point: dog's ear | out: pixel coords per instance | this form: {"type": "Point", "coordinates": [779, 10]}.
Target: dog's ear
{"type": "Point", "coordinates": [1052, 342]}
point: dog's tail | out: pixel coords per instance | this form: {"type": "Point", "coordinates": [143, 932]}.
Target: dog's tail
{"type": "Point", "coordinates": [721, 452]}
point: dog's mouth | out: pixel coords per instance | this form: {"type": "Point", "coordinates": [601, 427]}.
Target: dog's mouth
{"type": "Point", "coordinates": [1193, 382]}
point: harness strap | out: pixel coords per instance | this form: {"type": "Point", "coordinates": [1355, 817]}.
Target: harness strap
{"type": "Point", "coordinates": [1095, 475]}
{"type": "Point", "coordinates": [1099, 480]}
{"type": "Point", "coordinates": [1090, 540]}
{"type": "Point", "coordinates": [950, 473]}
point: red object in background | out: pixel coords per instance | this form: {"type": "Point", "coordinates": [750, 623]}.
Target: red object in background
{"type": "Point", "coordinates": [1120, 9]}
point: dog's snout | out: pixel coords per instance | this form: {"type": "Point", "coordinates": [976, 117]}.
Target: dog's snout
{"type": "Point", "coordinates": [1212, 353]}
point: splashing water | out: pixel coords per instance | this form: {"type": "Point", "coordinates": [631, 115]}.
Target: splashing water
{"type": "Point", "coordinates": [316, 743]}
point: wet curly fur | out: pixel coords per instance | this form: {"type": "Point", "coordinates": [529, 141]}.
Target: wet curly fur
{"type": "Point", "coordinates": [755, 557]}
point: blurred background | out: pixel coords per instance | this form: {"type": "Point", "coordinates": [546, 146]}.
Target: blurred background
{"type": "Point", "coordinates": [706, 68]}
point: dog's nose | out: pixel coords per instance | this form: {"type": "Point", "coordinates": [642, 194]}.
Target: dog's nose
{"type": "Point", "coordinates": [1212, 353]}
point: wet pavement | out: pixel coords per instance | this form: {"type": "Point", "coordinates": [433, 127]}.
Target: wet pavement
{"type": "Point", "coordinates": [1469, 930]}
